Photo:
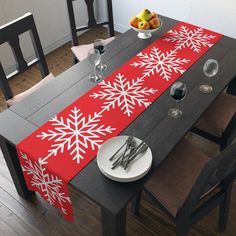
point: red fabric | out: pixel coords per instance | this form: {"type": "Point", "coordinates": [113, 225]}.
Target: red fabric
{"type": "Point", "coordinates": [52, 155]}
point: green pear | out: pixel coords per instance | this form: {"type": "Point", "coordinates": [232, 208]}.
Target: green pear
{"type": "Point", "coordinates": [145, 15]}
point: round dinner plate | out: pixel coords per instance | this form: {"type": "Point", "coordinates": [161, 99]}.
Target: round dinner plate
{"type": "Point", "coordinates": [136, 170]}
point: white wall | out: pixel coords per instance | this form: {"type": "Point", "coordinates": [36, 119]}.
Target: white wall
{"type": "Point", "coordinates": [51, 19]}
{"type": "Point", "coordinates": [53, 26]}
{"type": "Point", "coordinates": [218, 15]}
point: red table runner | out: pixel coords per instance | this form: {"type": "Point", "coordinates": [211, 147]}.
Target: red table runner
{"type": "Point", "coordinates": [52, 155]}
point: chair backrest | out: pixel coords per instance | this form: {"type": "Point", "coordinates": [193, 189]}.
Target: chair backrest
{"type": "Point", "coordinates": [9, 33]}
{"type": "Point", "coordinates": [220, 170]}
{"type": "Point", "coordinates": [91, 19]}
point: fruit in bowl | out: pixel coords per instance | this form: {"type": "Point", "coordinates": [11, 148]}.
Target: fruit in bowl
{"type": "Point", "coordinates": [154, 15]}
{"type": "Point", "coordinates": [154, 23]}
{"type": "Point", "coordinates": [145, 15]}
{"type": "Point", "coordinates": [145, 23]}
{"type": "Point", "coordinates": [145, 18]}
{"type": "Point", "coordinates": [134, 21]}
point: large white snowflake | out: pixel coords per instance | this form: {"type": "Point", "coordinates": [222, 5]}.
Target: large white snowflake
{"type": "Point", "coordinates": [49, 185]}
{"type": "Point", "coordinates": [162, 63]}
{"type": "Point", "coordinates": [194, 39]}
{"type": "Point", "coordinates": [76, 133]}
{"type": "Point", "coordinates": [124, 93]}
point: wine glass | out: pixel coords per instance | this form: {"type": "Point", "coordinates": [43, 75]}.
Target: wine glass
{"type": "Point", "coordinates": [100, 46]}
{"type": "Point", "coordinates": [210, 69]}
{"type": "Point", "coordinates": [177, 92]}
{"type": "Point", "coordinates": [94, 58]}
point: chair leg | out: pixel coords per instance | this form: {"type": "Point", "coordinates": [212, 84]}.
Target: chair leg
{"type": "Point", "coordinates": [224, 210]}
{"type": "Point", "coordinates": [181, 230]}
{"type": "Point", "coordinates": [223, 144]}
{"type": "Point", "coordinates": [182, 225]}
{"type": "Point", "coordinates": [135, 204]}
{"type": "Point", "coordinates": [75, 60]}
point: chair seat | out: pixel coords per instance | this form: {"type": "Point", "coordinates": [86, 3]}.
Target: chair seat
{"type": "Point", "coordinates": [24, 94]}
{"type": "Point", "coordinates": [173, 180]}
{"type": "Point", "coordinates": [218, 115]}
{"type": "Point", "coordinates": [81, 51]}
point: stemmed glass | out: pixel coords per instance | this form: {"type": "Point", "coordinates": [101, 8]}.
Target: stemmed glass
{"type": "Point", "coordinates": [177, 92]}
{"type": "Point", "coordinates": [100, 46]}
{"type": "Point", "coordinates": [210, 69]}
{"type": "Point", "coordinates": [94, 58]}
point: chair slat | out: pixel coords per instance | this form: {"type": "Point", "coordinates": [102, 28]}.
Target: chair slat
{"type": "Point", "coordinates": [91, 21]}
{"type": "Point", "coordinates": [4, 84]}
{"type": "Point", "coordinates": [18, 55]}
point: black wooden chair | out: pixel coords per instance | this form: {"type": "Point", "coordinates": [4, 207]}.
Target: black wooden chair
{"type": "Point", "coordinates": [189, 184]}
{"type": "Point", "coordinates": [81, 51]}
{"type": "Point", "coordinates": [218, 123]}
{"type": "Point", "coordinates": [9, 33]}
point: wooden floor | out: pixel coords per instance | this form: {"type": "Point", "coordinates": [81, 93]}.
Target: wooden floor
{"type": "Point", "coordinates": [36, 218]}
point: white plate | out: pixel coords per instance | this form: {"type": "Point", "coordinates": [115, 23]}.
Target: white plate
{"type": "Point", "coordinates": [136, 170]}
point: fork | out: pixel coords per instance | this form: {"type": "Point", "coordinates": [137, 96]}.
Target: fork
{"type": "Point", "coordinates": [128, 140]}
{"type": "Point", "coordinates": [142, 149]}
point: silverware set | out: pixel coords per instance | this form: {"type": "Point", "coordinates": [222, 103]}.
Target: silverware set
{"type": "Point", "coordinates": [127, 153]}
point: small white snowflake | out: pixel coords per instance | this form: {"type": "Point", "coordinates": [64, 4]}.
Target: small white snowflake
{"type": "Point", "coordinates": [76, 133]}
{"type": "Point", "coordinates": [194, 39]}
{"type": "Point", "coordinates": [49, 185]}
{"type": "Point", "coordinates": [124, 94]}
{"type": "Point", "coordinates": [161, 63]}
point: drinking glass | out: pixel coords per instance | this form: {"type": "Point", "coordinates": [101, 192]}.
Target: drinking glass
{"type": "Point", "coordinates": [100, 46]}
{"type": "Point", "coordinates": [94, 58]}
{"type": "Point", "coordinates": [210, 69]}
{"type": "Point", "coordinates": [178, 92]}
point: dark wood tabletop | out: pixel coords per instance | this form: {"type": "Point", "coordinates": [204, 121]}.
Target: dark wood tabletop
{"type": "Point", "coordinates": [154, 126]}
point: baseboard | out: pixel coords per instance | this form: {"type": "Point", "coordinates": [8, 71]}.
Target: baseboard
{"type": "Point", "coordinates": [121, 28]}
{"type": "Point", "coordinates": [118, 27]}
{"type": "Point", "coordinates": [57, 44]}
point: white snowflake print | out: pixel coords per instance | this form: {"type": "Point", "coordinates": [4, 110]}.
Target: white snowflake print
{"type": "Point", "coordinates": [194, 39]}
{"type": "Point", "coordinates": [161, 63]}
{"type": "Point", "coordinates": [124, 93]}
{"type": "Point", "coordinates": [76, 133]}
{"type": "Point", "coordinates": [49, 185]}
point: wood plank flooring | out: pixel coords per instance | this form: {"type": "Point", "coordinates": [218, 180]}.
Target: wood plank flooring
{"type": "Point", "coordinates": [35, 217]}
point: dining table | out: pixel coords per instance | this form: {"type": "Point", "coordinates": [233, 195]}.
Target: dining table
{"type": "Point", "coordinates": [161, 132]}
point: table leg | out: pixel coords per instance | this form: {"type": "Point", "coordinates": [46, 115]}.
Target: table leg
{"type": "Point", "coordinates": [135, 204]}
{"type": "Point", "coordinates": [113, 224]}
{"type": "Point", "coordinates": [13, 163]}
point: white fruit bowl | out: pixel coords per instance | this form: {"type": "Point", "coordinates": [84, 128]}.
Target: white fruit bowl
{"type": "Point", "coordinates": [146, 34]}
